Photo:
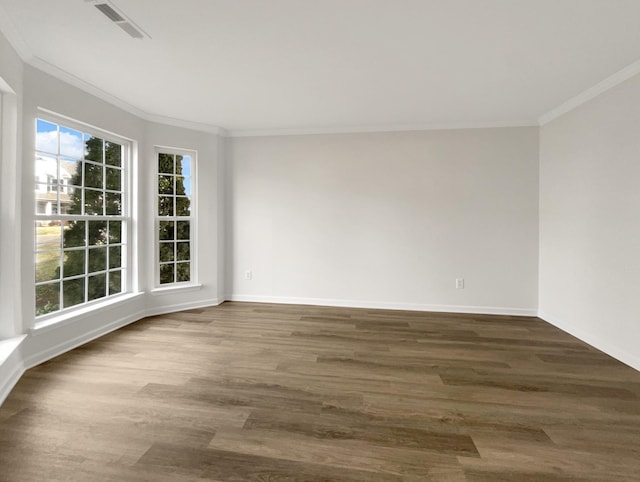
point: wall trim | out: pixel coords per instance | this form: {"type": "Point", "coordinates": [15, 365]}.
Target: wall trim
{"type": "Point", "coordinates": [591, 93]}
{"type": "Point", "coordinates": [595, 341]}
{"type": "Point", "coordinates": [7, 384]}
{"type": "Point", "coordinates": [378, 128]}
{"type": "Point", "coordinates": [382, 305]}
{"type": "Point", "coordinates": [63, 75]}
{"type": "Point", "coordinates": [8, 28]}
{"type": "Point", "coordinates": [163, 310]}
{"type": "Point", "coordinates": [68, 345]}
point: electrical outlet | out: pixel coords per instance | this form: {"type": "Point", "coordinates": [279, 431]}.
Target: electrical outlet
{"type": "Point", "coordinates": [248, 275]}
{"type": "Point", "coordinates": [459, 283]}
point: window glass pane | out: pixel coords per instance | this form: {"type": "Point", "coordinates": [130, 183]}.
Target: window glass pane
{"type": "Point", "coordinates": [167, 273]}
{"type": "Point", "coordinates": [166, 229]}
{"type": "Point", "coordinates": [184, 167]}
{"type": "Point", "coordinates": [97, 286]}
{"type": "Point", "coordinates": [165, 163]}
{"type": "Point", "coordinates": [115, 232]}
{"type": "Point", "coordinates": [74, 263]}
{"type": "Point", "coordinates": [166, 252]}
{"type": "Point", "coordinates": [46, 169]}
{"type": "Point", "coordinates": [183, 185]}
{"type": "Point", "coordinates": [97, 232]}
{"type": "Point", "coordinates": [165, 206]}
{"type": "Point", "coordinates": [115, 282]}
{"type": "Point", "coordinates": [73, 292]}
{"type": "Point", "coordinates": [46, 137]}
{"type": "Point", "coordinates": [182, 252]}
{"type": "Point", "coordinates": [183, 230]}
{"type": "Point", "coordinates": [114, 179]}
{"type": "Point", "coordinates": [113, 204]}
{"type": "Point", "coordinates": [47, 298]}
{"type": "Point", "coordinates": [113, 153]}
{"type": "Point", "coordinates": [71, 171]}
{"type": "Point", "coordinates": [97, 259]}
{"type": "Point", "coordinates": [183, 272]}
{"type": "Point", "coordinates": [93, 148]}
{"type": "Point", "coordinates": [74, 234]}
{"type": "Point", "coordinates": [93, 202]}
{"type": "Point", "coordinates": [65, 199]}
{"type": "Point", "coordinates": [47, 266]}
{"type": "Point", "coordinates": [93, 175]}
{"type": "Point", "coordinates": [71, 143]}
{"type": "Point", "coordinates": [48, 236]}
{"type": "Point", "coordinates": [165, 184]}
{"type": "Point", "coordinates": [46, 199]}
{"type": "Point", "coordinates": [183, 206]}
{"type": "Point", "coordinates": [75, 204]}
{"type": "Point", "coordinates": [115, 257]}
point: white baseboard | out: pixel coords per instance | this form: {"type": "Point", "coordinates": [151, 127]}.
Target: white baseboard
{"type": "Point", "coordinates": [57, 350]}
{"type": "Point", "coordinates": [381, 305]}
{"type": "Point", "coordinates": [162, 310]}
{"type": "Point", "coordinates": [34, 359]}
{"type": "Point", "coordinates": [7, 384]}
{"type": "Point", "coordinates": [610, 349]}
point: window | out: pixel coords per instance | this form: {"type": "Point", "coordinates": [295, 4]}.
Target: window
{"type": "Point", "coordinates": [81, 218]}
{"type": "Point", "coordinates": [175, 216]}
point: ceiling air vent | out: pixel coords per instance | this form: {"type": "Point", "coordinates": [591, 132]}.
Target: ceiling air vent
{"type": "Point", "coordinates": [131, 30]}
{"type": "Point", "coordinates": [109, 12]}
{"type": "Point", "coordinates": [119, 18]}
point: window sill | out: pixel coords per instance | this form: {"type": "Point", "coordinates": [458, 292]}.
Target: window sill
{"type": "Point", "coordinates": [8, 346]}
{"type": "Point", "coordinates": [169, 290]}
{"type": "Point", "coordinates": [67, 318]}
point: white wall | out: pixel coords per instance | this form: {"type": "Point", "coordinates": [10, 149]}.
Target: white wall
{"type": "Point", "coordinates": [590, 222]}
{"type": "Point", "coordinates": [386, 219]}
{"type": "Point", "coordinates": [11, 72]}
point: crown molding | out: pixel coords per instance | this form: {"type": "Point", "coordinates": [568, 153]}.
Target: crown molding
{"type": "Point", "coordinates": [591, 93]}
{"type": "Point", "coordinates": [9, 30]}
{"type": "Point", "coordinates": [88, 87]}
{"type": "Point", "coordinates": [379, 128]}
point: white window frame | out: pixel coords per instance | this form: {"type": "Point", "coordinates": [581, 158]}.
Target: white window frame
{"type": "Point", "coordinates": [125, 217]}
{"type": "Point", "coordinates": [192, 218]}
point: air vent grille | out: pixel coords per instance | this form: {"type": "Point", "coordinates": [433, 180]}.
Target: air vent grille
{"type": "Point", "coordinates": [109, 12]}
{"type": "Point", "coordinates": [113, 13]}
{"type": "Point", "coordinates": [130, 29]}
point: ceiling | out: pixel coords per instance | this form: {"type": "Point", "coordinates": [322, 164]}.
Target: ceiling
{"type": "Point", "coordinates": [334, 64]}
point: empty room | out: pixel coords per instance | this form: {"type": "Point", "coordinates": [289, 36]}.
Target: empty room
{"type": "Point", "coordinates": [331, 240]}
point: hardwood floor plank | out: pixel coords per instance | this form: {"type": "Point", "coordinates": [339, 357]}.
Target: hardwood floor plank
{"type": "Point", "coordinates": [255, 391]}
{"type": "Point", "coordinates": [234, 466]}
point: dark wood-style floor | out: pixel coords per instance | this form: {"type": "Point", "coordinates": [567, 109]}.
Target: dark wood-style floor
{"type": "Point", "coordinates": [259, 392]}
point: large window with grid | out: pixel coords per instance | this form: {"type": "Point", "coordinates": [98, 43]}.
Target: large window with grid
{"type": "Point", "coordinates": [81, 218]}
{"type": "Point", "coordinates": [175, 218]}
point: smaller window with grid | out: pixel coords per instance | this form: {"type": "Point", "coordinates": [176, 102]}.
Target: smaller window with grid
{"type": "Point", "coordinates": [175, 218]}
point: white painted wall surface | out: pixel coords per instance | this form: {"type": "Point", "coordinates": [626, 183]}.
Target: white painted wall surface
{"type": "Point", "coordinates": [11, 71]}
{"type": "Point", "coordinates": [386, 219]}
{"type": "Point", "coordinates": [11, 363]}
{"type": "Point", "coordinates": [590, 222]}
